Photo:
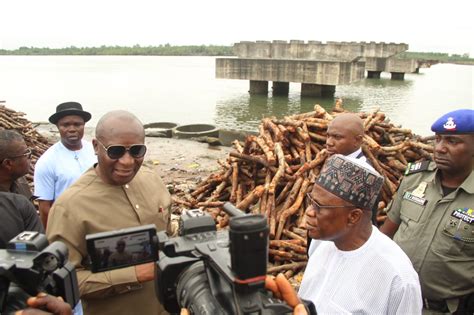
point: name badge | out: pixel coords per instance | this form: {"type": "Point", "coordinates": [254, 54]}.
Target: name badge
{"type": "Point", "coordinates": [464, 214]}
{"type": "Point", "coordinates": [413, 198]}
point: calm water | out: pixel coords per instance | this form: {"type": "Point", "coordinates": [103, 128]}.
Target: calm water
{"type": "Point", "coordinates": [184, 90]}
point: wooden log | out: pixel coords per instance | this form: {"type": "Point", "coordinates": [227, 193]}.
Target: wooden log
{"type": "Point", "coordinates": [291, 210]}
{"type": "Point", "coordinates": [291, 266]}
{"type": "Point", "coordinates": [266, 150]}
{"type": "Point", "coordinates": [256, 193]}
{"type": "Point", "coordinates": [251, 158]}
{"type": "Point", "coordinates": [318, 160]}
{"type": "Point", "coordinates": [288, 245]}
{"type": "Point", "coordinates": [295, 236]}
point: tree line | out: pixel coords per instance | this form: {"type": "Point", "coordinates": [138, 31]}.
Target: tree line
{"type": "Point", "coordinates": [161, 50]}
{"type": "Point", "coordinates": [197, 50]}
{"type": "Point", "coordinates": [441, 57]}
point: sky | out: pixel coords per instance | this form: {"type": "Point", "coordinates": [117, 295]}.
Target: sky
{"type": "Point", "coordinates": [428, 26]}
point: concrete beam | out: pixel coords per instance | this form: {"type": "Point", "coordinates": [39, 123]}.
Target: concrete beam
{"type": "Point", "coordinates": [391, 64]}
{"type": "Point", "coordinates": [300, 71]}
{"type": "Point", "coordinates": [297, 49]}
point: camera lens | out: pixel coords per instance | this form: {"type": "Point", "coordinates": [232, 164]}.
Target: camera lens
{"type": "Point", "coordinates": [194, 293]}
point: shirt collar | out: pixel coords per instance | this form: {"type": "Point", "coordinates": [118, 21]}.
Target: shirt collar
{"type": "Point", "coordinates": [355, 154]}
{"type": "Point", "coordinates": [467, 185]}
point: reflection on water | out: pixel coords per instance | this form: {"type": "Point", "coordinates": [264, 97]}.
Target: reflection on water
{"type": "Point", "coordinates": [244, 111]}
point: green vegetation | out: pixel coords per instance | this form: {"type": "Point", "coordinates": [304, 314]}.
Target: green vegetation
{"type": "Point", "coordinates": [162, 50]}
{"type": "Point", "coordinates": [440, 57]}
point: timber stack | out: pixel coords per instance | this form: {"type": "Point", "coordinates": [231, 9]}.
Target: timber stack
{"type": "Point", "coordinates": [271, 173]}
{"type": "Point", "coordinates": [12, 120]}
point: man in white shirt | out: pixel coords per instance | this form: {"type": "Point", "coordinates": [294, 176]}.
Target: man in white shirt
{"type": "Point", "coordinates": [66, 160]}
{"type": "Point", "coordinates": [357, 269]}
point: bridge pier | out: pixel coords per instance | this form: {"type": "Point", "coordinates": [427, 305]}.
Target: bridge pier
{"type": "Point", "coordinates": [398, 75]}
{"type": "Point", "coordinates": [309, 89]}
{"type": "Point", "coordinates": [258, 87]}
{"type": "Point", "coordinates": [281, 88]}
{"type": "Point", "coordinates": [373, 74]}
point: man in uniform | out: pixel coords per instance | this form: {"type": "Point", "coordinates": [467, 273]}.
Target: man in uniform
{"type": "Point", "coordinates": [432, 217]}
{"type": "Point", "coordinates": [116, 193]}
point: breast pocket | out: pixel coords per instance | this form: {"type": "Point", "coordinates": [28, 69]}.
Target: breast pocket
{"type": "Point", "coordinates": [457, 239]}
{"type": "Point", "coordinates": [410, 214]}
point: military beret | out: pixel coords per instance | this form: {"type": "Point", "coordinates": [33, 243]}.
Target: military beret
{"type": "Point", "coordinates": [351, 180]}
{"type": "Point", "coordinates": [456, 122]}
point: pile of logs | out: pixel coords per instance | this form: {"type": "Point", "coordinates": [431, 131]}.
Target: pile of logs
{"type": "Point", "coordinates": [12, 120]}
{"type": "Point", "coordinates": [271, 172]}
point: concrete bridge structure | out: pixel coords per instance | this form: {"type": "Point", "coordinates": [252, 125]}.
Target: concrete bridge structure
{"type": "Point", "coordinates": [318, 66]}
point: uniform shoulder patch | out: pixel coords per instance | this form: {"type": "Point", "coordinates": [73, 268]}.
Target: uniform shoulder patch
{"type": "Point", "coordinates": [413, 168]}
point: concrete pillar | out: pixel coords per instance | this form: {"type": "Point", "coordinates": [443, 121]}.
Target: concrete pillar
{"type": "Point", "coordinates": [373, 74]}
{"type": "Point", "coordinates": [417, 70]}
{"type": "Point", "coordinates": [309, 89]}
{"type": "Point", "coordinates": [328, 90]}
{"type": "Point", "coordinates": [281, 88]}
{"type": "Point", "coordinates": [398, 75]}
{"type": "Point", "coordinates": [258, 87]}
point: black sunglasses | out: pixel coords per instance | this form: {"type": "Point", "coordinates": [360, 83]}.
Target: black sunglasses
{"type": "Point", "coordinates": [115, 151]}
{"type": "Point", "coordinates": [317, 206]}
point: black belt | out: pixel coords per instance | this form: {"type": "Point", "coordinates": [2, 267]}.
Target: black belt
{"type": "Point", "coordinates": [435, 305]}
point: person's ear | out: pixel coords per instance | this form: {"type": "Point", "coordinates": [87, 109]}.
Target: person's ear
{"type": "Point", "coordinates": [7, 163]}
{"type": "Point", "coordinates": [354, 216]}
{"type": "Point", "coordinates": [95, 144]}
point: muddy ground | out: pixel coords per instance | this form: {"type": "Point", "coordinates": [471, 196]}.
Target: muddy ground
{"type": "Point", "coordinates": [182, 163]}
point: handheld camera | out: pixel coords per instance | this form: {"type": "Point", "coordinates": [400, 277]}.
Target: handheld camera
{"type": "Point", "coordinates": [29, 265]}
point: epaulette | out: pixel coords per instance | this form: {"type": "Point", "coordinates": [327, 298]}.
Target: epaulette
{"type": "Point", "coordinates": [413, 168]}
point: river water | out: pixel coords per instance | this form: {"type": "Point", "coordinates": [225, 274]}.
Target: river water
{"type": "Point", "coordinates": [184, 90]}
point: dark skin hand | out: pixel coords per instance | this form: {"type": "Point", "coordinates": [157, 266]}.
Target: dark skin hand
{"type": "Point", "coordinates": [52, 305]}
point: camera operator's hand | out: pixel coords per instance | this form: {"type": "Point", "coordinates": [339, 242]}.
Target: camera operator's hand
{"type": "Point", "coordinates": [145, 272]}
{"type": "Point", "coordinates": [52, 305]}
{"type": "Point", "coordinates": [283, 290]}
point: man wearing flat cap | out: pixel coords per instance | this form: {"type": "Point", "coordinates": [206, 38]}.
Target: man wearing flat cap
{"type": "Point", "coordinates": [432, 217]}
{"type": "Point", "coordinates": [66, 160]}
{"type": "Point", "coordinates": [357, 269]}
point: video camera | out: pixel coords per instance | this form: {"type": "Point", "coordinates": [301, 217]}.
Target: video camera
{"type": "Point", "coordinates": [208, 271]}
{"type": "Point", "coordinates": [29, 265]}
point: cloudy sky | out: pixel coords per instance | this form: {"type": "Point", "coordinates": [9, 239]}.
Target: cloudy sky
{"type": "Point", "coordinates": [439, 26]}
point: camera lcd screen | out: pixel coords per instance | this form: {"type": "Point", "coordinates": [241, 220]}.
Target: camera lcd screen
{"type": "Point", "coordinates": [123, 248]}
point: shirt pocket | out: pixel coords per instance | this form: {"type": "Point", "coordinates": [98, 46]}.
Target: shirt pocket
{"type": "Point", "coordinates": [457, 239]}
{"type": "Point", "coordinates": [410, 214]}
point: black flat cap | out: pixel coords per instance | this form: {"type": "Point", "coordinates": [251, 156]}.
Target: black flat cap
{"type": "Point", "coordinates": [69, 108]}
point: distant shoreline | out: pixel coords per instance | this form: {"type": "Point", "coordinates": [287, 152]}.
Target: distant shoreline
{"type": "Point", "coordinates": [197, 50]}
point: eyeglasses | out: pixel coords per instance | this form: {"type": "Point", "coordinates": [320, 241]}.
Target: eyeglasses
{"type": "Point", "coordinates": [28, 154]}
{"type": "Point", "coordinates": [318, 207]}
{"type": "Point", "coordinates": [115, 152]}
